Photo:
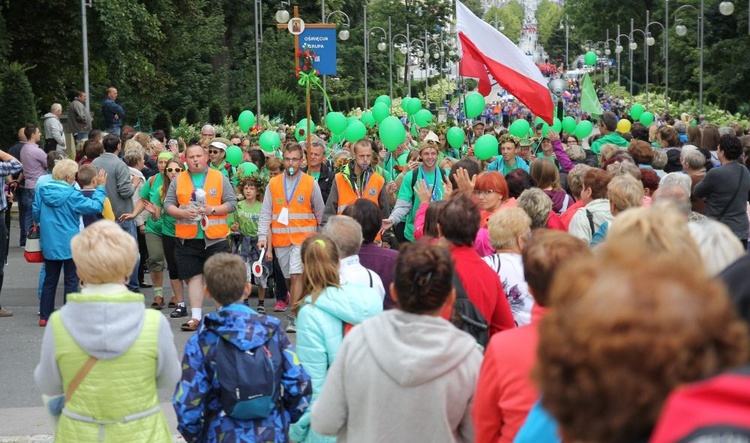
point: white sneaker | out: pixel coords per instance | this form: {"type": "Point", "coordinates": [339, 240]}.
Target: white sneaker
{"type": "Point", "coordinates": [291, 327]}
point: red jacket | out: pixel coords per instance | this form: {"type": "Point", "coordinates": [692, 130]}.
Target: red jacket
{"type": "Point", "coordinates": [483, 288]}
{"type": "Point", "coordinates": [567, 216]}
{"type": "Point", "coordinates": [505, 392]}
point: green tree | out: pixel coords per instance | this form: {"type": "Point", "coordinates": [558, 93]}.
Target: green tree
{"type": "Point", "coordinates": [17, 103]}
{"type": "Point", "coordinates": [548, 16]}
{"type": "Point", "coordinates": [510, 17]}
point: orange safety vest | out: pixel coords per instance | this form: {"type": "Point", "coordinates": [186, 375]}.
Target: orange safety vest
{"type": "Point", "coordinates": [348, 196]}
{"type": "Point", "coordinates": [302, 221]}
{"type": "Point", "coordinates": [217, 224]}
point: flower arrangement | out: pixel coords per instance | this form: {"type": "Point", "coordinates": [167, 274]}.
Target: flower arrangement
{"type": "Point", "coordinates": [307, 60]}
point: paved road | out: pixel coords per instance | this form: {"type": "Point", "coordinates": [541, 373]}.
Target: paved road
{"type": "Point", "coordinates": [20, 343]}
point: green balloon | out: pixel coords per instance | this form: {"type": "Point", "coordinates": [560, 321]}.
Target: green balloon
{"type": "Point", "coordinates": [584, 129]}
{"type": "Point", "coordinates": [405, 103]}
{"type": "Point", "coordinates": [423, 118]}
{"type": "Point", "coordinates": [355, 132]}
{"type": "Point", "coordinates": [413, 106]}
{"type": "Point", "coordinates": [234, 155]}
{"type": "Point", "coordinates": [247, 169]}
{"type": "Point", "coordinates": [380, 111]}
{"type": "Point", "coordinates": [474, 105]}
{"type": "Point", "coordinates": [556, 125]}
{"type": "Point", "coordinates": [646, 118]}
{"type": "Point", "coordinates": [402, 159]}
{"type": "Point", "coordinates": [392, 133]}
{"type": "Point", "coordinates": [519, 128]}
{"type": "Point", "coordinates": [538, 121]}
{"type": "Point", "coordinates": [569, 125]}
{"type": "Point", "coordinates": [590, 58]}
{"type": "Point", "coordinates": [384, 99]}
{"type": "Point", "coordinates": [303, 124]}
{"type": "Point", "coordinates": [269, 140]}
{"type": "Point", "coordinates": [545, 129]}
{"type": "Point", "coordinates": [299, 133]}
{"type": "Point", "coordinates": [368, 119]}
{"type": "Point", "coordinates": [246, 120]}
{"type": "Point", "coordinates": [351, 120]}
{"type": "Point", "coordinates": [336, 122]}
{"type": "Point", "coordinates": [485, 147]}
{"type": "Point", "coordinates": [636, 111]}
{"type": "Point", "coordinates": [455, 137]}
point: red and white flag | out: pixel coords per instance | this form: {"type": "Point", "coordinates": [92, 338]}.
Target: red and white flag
{"type": "Point", "coordinates": [485, 49]}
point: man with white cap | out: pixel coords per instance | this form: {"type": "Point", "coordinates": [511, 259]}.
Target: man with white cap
{"type": "Point", "coordinates": [217, 153]}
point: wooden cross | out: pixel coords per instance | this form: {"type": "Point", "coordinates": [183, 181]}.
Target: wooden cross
{"type": "Point", "coordinates": [296, 70]}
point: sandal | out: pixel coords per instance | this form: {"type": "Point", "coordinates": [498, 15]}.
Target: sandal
{"type": "Point", "coordinates": [190, 325]}
{"type": "Point", "coordinates": [158, 302]}
{"type": "Point", "coordinates": [173, 302]}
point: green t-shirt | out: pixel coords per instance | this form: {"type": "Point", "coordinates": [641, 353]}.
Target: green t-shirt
{"type": "Point", "coordinates": [612, 138]}
{"type": "Point", "coordinates": [247, 215]}
{"type": "Point", "coordinates": [199, 181]}
{"type": "Point", "coordinates": [407, 193]}
{"type": "Point", "coordinates": [150, 192]}
{"type": "Point", "coordinates": [315, 175]}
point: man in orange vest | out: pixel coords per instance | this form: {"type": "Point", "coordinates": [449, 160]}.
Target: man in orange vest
{"type": "Point", "coordinates": [357, 180]}
{"type": "Point", "coordinates": [199, 199]}
{"type": "Point", "coordinates": [293, 209]}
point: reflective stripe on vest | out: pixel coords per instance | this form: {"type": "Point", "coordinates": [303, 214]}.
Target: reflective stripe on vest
{"type": "Point", "coordinates": [347, 196]}
{"type": "Point", "coordinates": [214, 186]}
{"type": "Point", "coordinates": [302, 220]}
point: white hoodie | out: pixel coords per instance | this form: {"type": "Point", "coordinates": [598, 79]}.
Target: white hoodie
{"type": "Point", "coordinates": [53, 129]}
{"type": "Point", "coordinates": [400, 377]}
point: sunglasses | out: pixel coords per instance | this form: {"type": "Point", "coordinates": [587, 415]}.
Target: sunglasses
{"type": "Point", "coordinates": [484, 192]}
{"type": "Point", "coordinates": [174, 169]}
{"type": "Point", "coordinates": [214, 151]}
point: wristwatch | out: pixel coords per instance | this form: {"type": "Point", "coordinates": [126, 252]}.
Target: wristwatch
{"type": "Point", "coordinates": [213, 211]}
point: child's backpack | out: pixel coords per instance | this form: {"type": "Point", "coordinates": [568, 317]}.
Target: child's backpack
{"type": "Point", "coordinates": [467, 317]}
{"type": "Point", "coordinates": [250, 381]}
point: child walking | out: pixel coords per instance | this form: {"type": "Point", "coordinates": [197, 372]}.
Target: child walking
{"type": "Point", "coordinates": [205, 402]}
{"type": "Point", "coordinates": [243, 224]}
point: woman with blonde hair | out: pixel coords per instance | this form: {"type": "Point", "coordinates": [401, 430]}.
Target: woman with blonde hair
{"type": "Point", "coordinates": [325, 313]}
{"type": "Point", "coordinates": [104, 351]}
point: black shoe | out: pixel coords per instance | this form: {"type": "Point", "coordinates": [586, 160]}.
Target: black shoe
{"type": "Point", "coordinates": [180, 311]}
{"type": "Point", "coordinates": [143, 284]}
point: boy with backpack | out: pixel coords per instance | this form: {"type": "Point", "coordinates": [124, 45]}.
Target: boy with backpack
{"type": "Point", "coordinates": [241, 380]}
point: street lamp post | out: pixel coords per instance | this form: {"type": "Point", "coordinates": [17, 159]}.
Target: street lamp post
{"type": "Point", "coordinates": [618, 51]}
{"type": "Point", "coordinates": [567, 28]}
{"type": "Point", "coordinates": [343, 35]}
{"type": "Point", "coordinates": [633, 46]}
{"type": "Point", "coordinates": [498, 24]}
{"type": "Point", "coordinates": [650, 42]}
{"type": "Point", "coordinates": [381, 47]}
{"type": "Point", "coordinates": [258, 40]}
{"type": "Point", "coordinates": [85, 35]}
{"type": "Point", "coordinates": [681, 31]}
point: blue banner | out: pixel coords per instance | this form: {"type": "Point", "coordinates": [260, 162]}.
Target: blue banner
{"type": "Point", "coordinates": [323, 42]}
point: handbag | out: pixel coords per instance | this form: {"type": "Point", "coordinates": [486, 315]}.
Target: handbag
{"type": "Point", "coordinates": [56, 404]}
{"type": "Point", "coordinates": [50, 144]}
{"type": "Point", "coordinates": [33, 250]}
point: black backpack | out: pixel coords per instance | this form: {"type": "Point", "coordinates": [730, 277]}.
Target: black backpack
{"type": "Point", "coordinates": [250, 381]}
{"type": "Point", "coordinates": [467, 317]}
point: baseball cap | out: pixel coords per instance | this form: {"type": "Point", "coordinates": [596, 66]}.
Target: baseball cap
{"type": "Point", "coordinates": [219, 145]}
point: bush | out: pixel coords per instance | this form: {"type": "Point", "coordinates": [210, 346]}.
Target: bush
{"type": "Point", "coordinates": [235, 112]}
{"type": "Point", "coordinates": [215, 112]}
{"type": "Point", "coordinates": [17, 103]}
{"type": "Point", "coordinates": [192, 115]}
{"type": "Point", "coordinates": [163, 122]}
{"type": "Point", "coordinates": [278, 102]}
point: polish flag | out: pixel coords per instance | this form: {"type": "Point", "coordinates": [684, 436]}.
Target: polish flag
{"type": "Point", "coordinates": [486, 50]}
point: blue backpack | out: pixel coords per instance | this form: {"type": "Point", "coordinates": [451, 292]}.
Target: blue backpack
{"type": "Point", "coordinates": [250, 381]}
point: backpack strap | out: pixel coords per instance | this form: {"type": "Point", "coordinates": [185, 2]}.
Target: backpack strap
{"type": "Point", "coordinates": [415, 177]}
{"type": "Point", "coordinates": [79, 377]}
{"type": "Point", "coordinates": [590, 216]}
{"type": "Point", "coordinates": [566, 202]}
{"type": "Point", "coordinates": [369, 274]}
{"type": "Point", "coordinates": [459, 287]}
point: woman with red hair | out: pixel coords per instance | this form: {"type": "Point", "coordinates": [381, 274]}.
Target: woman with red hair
{"type": "Point", "coordinates": [490, 194]}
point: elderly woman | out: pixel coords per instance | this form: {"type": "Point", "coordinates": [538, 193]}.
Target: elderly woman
{"type": "Point", "coordinates": [694, 166]}
{"type": "Point", "coordinates": [509, 231]}
{"type": "Point", "coordinates": [624, 192]}
{"type": "Point", "coordinates": [58, 208]}
{"type": "Point", "coordinates": [726, 189]}
{"type": "Point", "coordinates": [108, 346]}
{"type": "Point", "coordinates": [538, 206]}
{"type": "Point", "coordinates": [595, 326]}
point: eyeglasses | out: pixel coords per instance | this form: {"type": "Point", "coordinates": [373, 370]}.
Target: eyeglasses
{"type": "Point", "coordinates": [214, 151]}
{"type": "Point", "coordinates": [484, 192]}
{"type": "Point", "coordinates": [206, 135]}
{"type": "Point", "coordinates": [174, 169]}
{"type": "Point", "coordinates": [291, 160]}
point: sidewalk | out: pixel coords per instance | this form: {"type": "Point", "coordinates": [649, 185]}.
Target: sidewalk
{"type": "Point", "coordinates": [17, 422]}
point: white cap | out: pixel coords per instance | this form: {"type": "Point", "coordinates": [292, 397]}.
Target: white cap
{"type": "Point", "coordinates": [219, 145]}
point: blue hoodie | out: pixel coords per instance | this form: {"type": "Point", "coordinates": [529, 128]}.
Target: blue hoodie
{"type": "Point", "coordinates": [57, 208]}
{"type": "Point", "coordinates": [196, 399]}
{"type": "Point", "coordinates": [499, 165]}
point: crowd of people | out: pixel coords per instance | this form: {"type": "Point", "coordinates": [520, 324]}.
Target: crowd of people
{"type": "Point", "coordinates": [563, 290]}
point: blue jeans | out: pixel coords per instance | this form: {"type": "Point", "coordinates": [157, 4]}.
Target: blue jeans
{"type": "Point", "coordinates": [81, 136]}
{"type": "Point", "coordinates": [24, 212]}
{"type": "Point", "coordinates": [114, 130]}
{"type": "Point", "coordinates": [49, 290]}
{"type": "Point", "coordinates": [129, 226]}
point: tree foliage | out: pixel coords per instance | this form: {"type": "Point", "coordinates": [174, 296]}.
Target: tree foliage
{"type": "Point", "coordinates": [511, 16]}
{"type": "Point", "coordinates": [548, 17]}
{"type": "Point", "coordinates": [17, 103]}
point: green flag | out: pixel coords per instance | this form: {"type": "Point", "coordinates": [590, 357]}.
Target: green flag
{"type": "Point", "coordinates": [589, 100]}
